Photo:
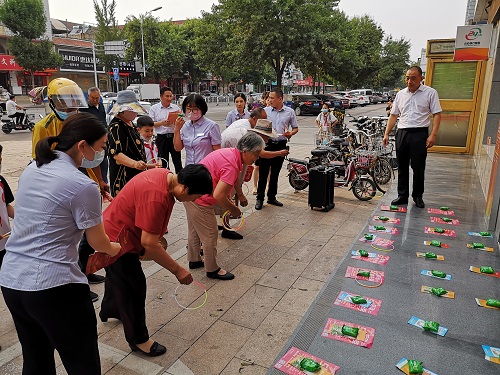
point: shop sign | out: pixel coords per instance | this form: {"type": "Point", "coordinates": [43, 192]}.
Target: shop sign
{"type": "Point", "coordinates": [8, 62]}
{"type": "Point", "coordinates": [473, 42]}
{"type": "Point", "coordinates": [76, 61]}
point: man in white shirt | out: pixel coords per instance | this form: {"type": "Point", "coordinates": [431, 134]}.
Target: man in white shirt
{"type": "Point", "coordinates": [11, 107]}
{"type": "Point", "coordinates": [164, 128]}
{"type": "Point", "coordinates": [233, 133]}
{"type": "Point", "coordinates": [413, 105]}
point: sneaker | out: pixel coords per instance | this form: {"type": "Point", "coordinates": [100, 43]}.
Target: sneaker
{"type": "Point", "coordinates": [94, 296]}
{"type": "Point", "coordinates": [95, 279]}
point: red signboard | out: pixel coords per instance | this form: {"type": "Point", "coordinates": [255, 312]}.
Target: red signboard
{"type": "Point", "coordinates": [7, 62]}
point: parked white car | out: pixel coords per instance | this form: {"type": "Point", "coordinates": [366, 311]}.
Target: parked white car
{"type": "Point", "coordinates": [362, 99]}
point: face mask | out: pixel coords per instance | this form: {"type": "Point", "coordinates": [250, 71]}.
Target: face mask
{"type": "Point", "coordinates": [324, 110]}
{"type": "Point", "coordinates": [193, 116]}
{"type": "Point", "coordinates": [64, 115]}
{"type": "Point", "coordinates": [98, 158]}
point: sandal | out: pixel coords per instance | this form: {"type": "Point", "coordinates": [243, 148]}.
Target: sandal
{"type": "Point", "coordinates": [215, 275]}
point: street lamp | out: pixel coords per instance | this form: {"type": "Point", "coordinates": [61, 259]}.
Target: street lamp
{"type": "Point", "coordinates": [142, 40]}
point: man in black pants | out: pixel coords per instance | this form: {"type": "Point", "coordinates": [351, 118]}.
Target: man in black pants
{"type": "Point", "coordinates": [282, 118]}
{"type": "Point", "coordinates": [164, 128]}
{"type": "Point", "coordinates": [413, 105]}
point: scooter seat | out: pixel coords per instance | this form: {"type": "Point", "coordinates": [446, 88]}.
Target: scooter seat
{"type": "Point", "coordinates": [337, 163]}
{"type": "Point", "coordinates": [337, 140]}
{"type": "Point", "coordinates": [319, 152]}
{"type": "Point", "coordinates": [296, 161]}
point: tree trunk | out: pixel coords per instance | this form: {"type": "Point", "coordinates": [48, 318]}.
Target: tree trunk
{"type": "Point", "coordinates": [32, 76]}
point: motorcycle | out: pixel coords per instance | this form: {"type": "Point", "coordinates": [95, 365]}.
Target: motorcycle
{"type": "Point", "coordinates": [346, 173]}
{"type": "Point", "coordinates": [9, 124]}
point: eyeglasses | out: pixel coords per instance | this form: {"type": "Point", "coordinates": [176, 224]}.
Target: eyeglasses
{"type": "Point", "coordinates": [188, 109]}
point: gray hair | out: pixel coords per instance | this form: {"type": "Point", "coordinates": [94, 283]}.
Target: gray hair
{"type": "Point", "coordinates": [94, 89]}
{"type": "Point", "coordinates": [251, 142]}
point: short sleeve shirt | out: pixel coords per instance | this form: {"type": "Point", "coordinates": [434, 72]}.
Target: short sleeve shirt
{"type": "Point", "coordinates": [414, 109]}
{"type": "Point", "coordinates": [7, 198]}
{"type": "Point", "coordinates": [42, 251]}
{"type": "Point", "coordinates": [144, 204]}
{"type": "Point", "coordinates": [282, 120]}
{"type": "Point", "coordinates": [199, 139]}
{"type": "Point", "coordinates": [10, 107]}
{"type": "Point", "coordinates": [159, 113]}
{"type": "Point", "coordinates": [224, 165]}
{"type": "Point", "coordinates": [234, 115]}
{"type": "Point", "coordinates": [232, 135]}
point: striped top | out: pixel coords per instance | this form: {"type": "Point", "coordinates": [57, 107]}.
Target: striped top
{"type": "Point", "coordinates": [54, 204]}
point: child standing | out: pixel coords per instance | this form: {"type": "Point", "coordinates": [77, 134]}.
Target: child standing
{"type": "Point", "coordinates": [145, 125]}
{"type": "Point", "coordinates": [326, 120]}
{"type": "Point", "coordinates": [6, 210]}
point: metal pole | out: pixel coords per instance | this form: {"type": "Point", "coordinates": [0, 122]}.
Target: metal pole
{"type": "Point", "coordinates": [143, 58]}
{"type": "Point", "coordinates": [95, 65]}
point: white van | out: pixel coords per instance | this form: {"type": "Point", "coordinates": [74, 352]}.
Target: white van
{"type": "Point", "coordinates": [366, 93]}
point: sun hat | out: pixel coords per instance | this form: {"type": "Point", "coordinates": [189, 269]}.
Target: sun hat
{"type": "Point", "coordinates": [127, 101]}
{"type": "Point", "coordinates": [264, 127]}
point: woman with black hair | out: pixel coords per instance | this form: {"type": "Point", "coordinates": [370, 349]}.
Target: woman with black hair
{"type": "Point", "coordinates": [42, 284]}
{"type": "Point", "coordinates": [199, 135]}
{"type": "Point", "coordinates": [239, 112]}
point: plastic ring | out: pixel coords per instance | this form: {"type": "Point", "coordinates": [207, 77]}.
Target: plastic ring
{"type": "Point", "coordinates": [368, 286]}
{"type": "Point", "coordinates": [158, 158]}
{"type": "Point", "coordinates": [225, 222]}
{"type": "Point", "coordinates": [192, 308]}
{"type": "Point", "coordinates": [6, 235]}
{"type": "Point", "coordinates": [380, 249]}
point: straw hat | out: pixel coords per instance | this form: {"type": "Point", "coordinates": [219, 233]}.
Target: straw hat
{"type": "Point", "coordinates": [126, 101]}
{"type": "Point", "coordinates": [264, 127]}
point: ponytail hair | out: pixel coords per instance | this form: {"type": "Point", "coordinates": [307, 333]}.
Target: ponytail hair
{"type": "Point", "coordinates": [78, 127]}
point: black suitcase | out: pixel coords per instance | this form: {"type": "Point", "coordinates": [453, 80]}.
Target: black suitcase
{"type": "Point", "coordinates": [321, 184]}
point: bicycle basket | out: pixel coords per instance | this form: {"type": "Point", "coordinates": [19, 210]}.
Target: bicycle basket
{"type": "Point", "coordinates": [365, 159]}
{"type": "Point", "coordinates": [382, 150]}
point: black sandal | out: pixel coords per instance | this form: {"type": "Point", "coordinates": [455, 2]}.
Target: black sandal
{"type": "Point", "coordinates": [215, 275]}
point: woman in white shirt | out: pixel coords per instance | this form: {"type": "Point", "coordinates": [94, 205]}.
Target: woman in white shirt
{"type": "Point", "coordinates": [42, 284]}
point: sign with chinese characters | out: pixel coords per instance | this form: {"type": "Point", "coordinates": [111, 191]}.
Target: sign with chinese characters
{"type": "Point", "coordinates": [473, 42]}
{"type": "Point", "coordinates": [79, 61]}
{"type": "Point", "coordinates": [8, 62]}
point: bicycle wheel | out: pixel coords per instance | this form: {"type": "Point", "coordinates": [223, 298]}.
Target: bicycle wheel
{"type": "Point", "coordinates": [363, 188]}
{"type": "Point", "coordinates": [296, 182]}
{"type": "Point", "coordinates": [382, 171]}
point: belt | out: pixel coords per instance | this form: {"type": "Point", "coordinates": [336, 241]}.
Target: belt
{"type": "Point", "coordinates": [166, 135]}
{"type": "Point", "coordinates": [415, 130]}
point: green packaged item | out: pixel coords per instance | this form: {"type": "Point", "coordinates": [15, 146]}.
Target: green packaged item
{"type": "Point", "coordinates": [493, 303]}
{"type": "Point", "coordinates": [379, 227]}
{"type": "Point", "coordinates": [350, 331]}
{"type": "Point", "coordinates": [440, 274]}
{"type": "Point", "coordinates": [439, 230]}
{"type": "Point", "coordinates": [485, 234]}
{"type": "Point", "coordinates": [446, 219]}
{"type": "Point", "coordinates": [438, 291]}
{"type": "Point", "coordinates": [431, 326]}
{"type": "Point", "coordinates": [477, 245]}
{"type": "Point", "coordinates": [415, 367]}
{"type": "Point", "coordinates": [486, 269]}
{"type": "Point", "coordinates": [363, 273]}
{"type": "Point", "coordinates": [430, 255]}
{"type": "Point", "coordinates": [383, 218]}
{"type": "Point", "coordinates": [393, 207]}
{"type": "Point", "coordinates": [436, 243]}
{"type": "Point", "coordinates": [368, 237]}
{"type": "Point", "coordinates": [444, 208]}
{"type": "Point", "coordinates": [363, 253]}
{"type": "Point", "coordinates": [308, 364]}
{"type": "Point", "coordinates": [358, 300]}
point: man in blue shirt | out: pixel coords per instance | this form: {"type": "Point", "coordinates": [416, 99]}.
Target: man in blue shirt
{"type": "Point", "coordinates": [285, 124]}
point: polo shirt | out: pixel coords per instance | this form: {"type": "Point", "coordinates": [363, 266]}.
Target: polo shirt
{"type": "Point", "coordinates": [159, 113]}
{"type": "Point", "coordinates": [282, 120]}
{"type": "Point", "coordinates": [42, 251]}
{"type": "Point", "coordinates": [234, 115]}
{"type": "Point", "coordinates": [7, 198]}
{"type": "Point", "coordinates": [231, 136]}
{"type": "Point", "coordinates": [414, 109]}
{"type": "Point", "coordinates": [199, 139]}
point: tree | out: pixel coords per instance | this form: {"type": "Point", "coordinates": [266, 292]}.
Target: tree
{"type": "Point", "coordinates": [395, 60]}
{"type": "Point", "coordinates": [26, 19]}
{"type": "Point", "coordinates": [107, 30]}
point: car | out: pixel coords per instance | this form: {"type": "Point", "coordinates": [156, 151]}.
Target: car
{"type": "Point", "coordinates": [108, 94]}
{"type": "Point", "coordinates": [331, 101]}
{"type": "Point", "coordinates": [384, 98]}
{"type": "Point", "coordinates": [362, 99]}
{"type": "Point", "coordinates": [363, 92]}
{"type": "Point", "coordinates": [353, 101]}
{"type": "Point", "coordinates": [306, 104]}
{"type": "Point", "coordinates": [376, 98]}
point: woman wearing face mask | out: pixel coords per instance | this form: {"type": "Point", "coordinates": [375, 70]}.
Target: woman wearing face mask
{"type": "Point", "coordinates": [42, 284]}
{"type": "Point", "coordinates": [326, 121]}
{"type": "Point", "coordinates": [239, 112]}
{"type": "Point", "coordinates": [127, 157]}
{"type": "Point", "coordinates": [199, 135]}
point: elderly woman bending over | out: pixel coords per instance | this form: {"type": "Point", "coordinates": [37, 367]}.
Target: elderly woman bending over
{"type": "Point", "coordinates": [224, 165]}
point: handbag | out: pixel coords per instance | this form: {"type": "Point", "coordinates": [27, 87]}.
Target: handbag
{"type": "Point", "coordinates": [248, 173]}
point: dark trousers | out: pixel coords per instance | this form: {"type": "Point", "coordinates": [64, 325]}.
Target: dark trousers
{"type": "Point", "coordinates": [60, 318]}
{"type": "Point", "coordinates": [411, 150]}
{"type": "Point", "coordinates": [104, 167]}
{"type": "Point", "coordinates": [84, 251]}
{"type": "Point", "coordinates": [165, 144]}
{"type": "Point", "coordinates": [125, 297]}
{"type": "Point", "coordinates": [274, 165]}
{"type": "Point", "coordinates": [19, 116]}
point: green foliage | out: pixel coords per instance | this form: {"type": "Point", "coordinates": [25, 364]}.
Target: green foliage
{"type": "Point", "coordinates": [34, 56]}
{"type": "Point", "coordinates": [191, 69]}
{"type": "Point", "coordinates": [395, 60]}
{"type": "Point", "coordinates": [25, 18]}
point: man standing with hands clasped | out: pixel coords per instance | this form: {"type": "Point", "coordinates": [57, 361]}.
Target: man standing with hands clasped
{"type": "Point", "coordinates": [164, 128]}
{"type": "Point", "coordinates": [413, 105]}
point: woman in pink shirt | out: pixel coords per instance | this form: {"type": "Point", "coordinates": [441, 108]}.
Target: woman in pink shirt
{"type": "Point", "coordinates": [224, 165]}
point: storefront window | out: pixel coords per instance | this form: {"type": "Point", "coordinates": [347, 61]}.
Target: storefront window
{"type": "Point", "coordinates": [453, 129]}
{"type": "Point", "coordinates": [454, 80]}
